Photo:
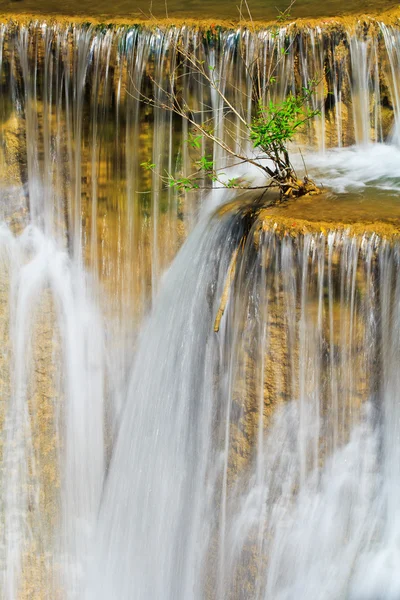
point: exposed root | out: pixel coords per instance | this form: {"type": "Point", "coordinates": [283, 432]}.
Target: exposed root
{"type": "Point", "coordinates": [294, 188]}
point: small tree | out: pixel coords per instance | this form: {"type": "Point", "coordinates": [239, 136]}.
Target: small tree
{"type": "Point", "coordinates": [271, 128]}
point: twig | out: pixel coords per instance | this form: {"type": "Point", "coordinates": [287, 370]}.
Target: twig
{"type": "Point", "coordinates": [227, 286]}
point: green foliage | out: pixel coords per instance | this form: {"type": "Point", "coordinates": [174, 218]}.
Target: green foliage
{"type": "Point", "coordinates": [284, 15]}
{"type": "Point", "coordinates": [147, 165]}
{"type": "Point", "coordinates": [194, 141]}
{"type": "Point", "coordinates": [182, 183]}
{"type": "Point", "coordinates": [272, 128]}
{"type": "Point", "coordinates": [275, 125]}
{"type": "Point", "coordinates": [205, 169]}
{"type": "Point", "coordinates": [233, 183]}
{"type": "Point", "coordinates": [205, 163]}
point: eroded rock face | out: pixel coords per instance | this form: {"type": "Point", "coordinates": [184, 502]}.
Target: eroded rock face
{"type": "Point", "coordinates": [31, 440]}
{"type": "Point", "coordinates": [45, 407]}
{"type": "Point", "coordinates": [297, 279]}
{"type": "Point", "coordinates": [308, 347]}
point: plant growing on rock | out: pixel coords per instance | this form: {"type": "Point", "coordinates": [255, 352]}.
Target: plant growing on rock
{"type": "Point", "coordinates": [264, 138]}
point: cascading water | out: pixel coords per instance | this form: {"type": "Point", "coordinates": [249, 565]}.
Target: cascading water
{"type": "Point", "coordinates": [53, 451]}
{"type": "Point", "coordinates": [259, 461]}
{"type": "Point", "coordinates": [265, 456]}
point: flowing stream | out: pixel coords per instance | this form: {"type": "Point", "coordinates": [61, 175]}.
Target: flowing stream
{"type": "Point", "coordinates": [144, 455]}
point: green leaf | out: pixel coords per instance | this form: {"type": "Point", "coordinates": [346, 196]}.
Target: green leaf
{"type": "Point", "coordinates": [275, 124]}
{"type": "Point", "coordinates": [233, 183]}
{"type": "Point", "coordinates": [147, 165]}
{"type": "Point", "coordinates": [182, 183]}
{"type": "Point", "coordinates": [194, 141]}
{"type": "Point", "coordinates": [205, 163]}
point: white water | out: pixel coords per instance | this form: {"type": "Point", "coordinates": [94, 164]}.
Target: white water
{"type": "Point", "coordinates": [52, 367]}
{"type": "Point", "coordinates": [373, 166]}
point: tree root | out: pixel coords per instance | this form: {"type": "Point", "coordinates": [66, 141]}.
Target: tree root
{"type": "Point", "coordinates": [294, 188]}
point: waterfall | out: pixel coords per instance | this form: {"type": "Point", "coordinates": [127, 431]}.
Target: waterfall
{"type": "Point", "coordinates": [52, 444]}
{"type": "Point", "coordinates": [142, 453]}
{"type": "Point", "coordinates": [262, 461]}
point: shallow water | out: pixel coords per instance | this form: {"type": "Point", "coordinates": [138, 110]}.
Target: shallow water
{"type": "Point", "coordinates": [360, 184]}
{"type": "Point", "coordinates": [207, 9]}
